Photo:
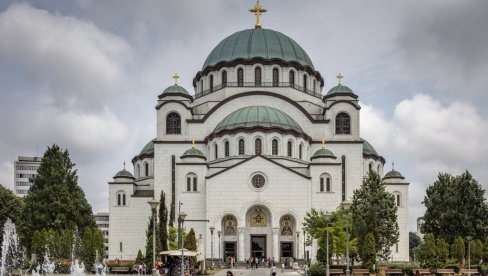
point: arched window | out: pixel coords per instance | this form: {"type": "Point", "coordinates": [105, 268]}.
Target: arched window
{"type": "Point", "coordinates": [240, 77]}
{"type": "Point", "coordinates": [138, 170]}
{"type": "Point", "coordinates": [201, 85]}
{"type": "Point", "coordinates": [173, 123]}
{"type": "Point", "coordinates": [241, 147]}
{"type": "Point", "coordinates": [211, 83]}
{"type": "Point", "coordinates": [327, 184]}
{"type": "Point", "coordinates": [370, 167]}
{"type": "Point", "coordinates": [305, 83]}
{"type": "Point", "coordinates": [379, 169]}
{"type": "Point", "coordinates": [257, 146]}
{"type": "Point", "coordinates": [292, 78]}
{"type": "Point", "coordinates": [276, 77]}
{"type": "Point", "coordinates": [274, 147]}
{"type": "Point", "coordinates": [224, 78]}
{"type": "Point", "coordinates": [300, 150]}
{"type": "Point", "coordinates": [257, 76]}
{"type": "Point", "coordinates": [195, 184]}
{"type": "Point", "coordinates": [191, 179]}
{"type": "Point", "coordinates": [188, 183]}
{"type": "Point", "coordinates": [146, 169]}
{"type": "Point", "coordinates": [321, 184]}
{"type": "Point", "coordinates": [343, 123]}
{"type": "Point", "coordinates": [121, 198]}
{"type": "Point", "coordinates": [289, 149]}
{"type": "Point", "coordinates": [226, 148]}
{"type": "Point", "coordinates": [314, 85]}
{"type": "Point", "coordinates": [216, 150]}
{"type": "Point", "coordinates": [398, 200]}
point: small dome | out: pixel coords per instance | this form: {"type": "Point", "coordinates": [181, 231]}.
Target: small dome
{"type": "Point", "coordinates": [258, 116]}
{"type": "Point", "coordinates": [148, 148]}
{"type": "Point", "coordinates": [368, 148]}
{"type": "Point", "coordinates": [323, 153]}
{"type": "Point", "coordinates": [193, 152]}
{"type": "Point", "coordinates": [124, 174]}
{"type": "Point", "coordinates": [340, 89]}
{"type": "Point", "coordinates": [262, 43]}
{"type": "Point", "coordinates": [175, 89]}
{"type": "Point", "coordinates": [393, 174]}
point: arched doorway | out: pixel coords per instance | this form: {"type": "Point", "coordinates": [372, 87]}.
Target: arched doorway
{"type": "Point", "coordinates": [259, 222]}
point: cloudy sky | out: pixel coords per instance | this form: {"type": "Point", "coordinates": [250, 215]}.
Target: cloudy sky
{"type": "Point", "coordinates": [85, 75]}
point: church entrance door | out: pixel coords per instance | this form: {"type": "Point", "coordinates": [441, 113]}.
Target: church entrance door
{"type": "Point", "coordinates": [230, 250]}
{"type": "Point", "coordinates": [258, 246]}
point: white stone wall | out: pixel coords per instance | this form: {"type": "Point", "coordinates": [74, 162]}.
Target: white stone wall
{"type": "Point", "coordinates": [401, 188]}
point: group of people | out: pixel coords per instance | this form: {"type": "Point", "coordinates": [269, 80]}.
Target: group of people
{"type": "Point", "coordinates": [255, 262]}
{"type": "Point", "coordinates": [140, 269]}
{"type": "Point", "coordinates": [231, 262]}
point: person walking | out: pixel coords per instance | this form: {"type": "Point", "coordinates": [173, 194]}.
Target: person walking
{"type": "Point", "coordinates": [273, 270]}
{"type": "Point", "coordinates": [305, 270]}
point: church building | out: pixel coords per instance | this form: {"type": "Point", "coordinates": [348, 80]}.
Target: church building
{"type": "Point", "coordinates": [258, 143]}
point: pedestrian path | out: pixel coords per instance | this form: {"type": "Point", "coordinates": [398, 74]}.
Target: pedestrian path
{"type": "Point", "coordinates": [256, 272]}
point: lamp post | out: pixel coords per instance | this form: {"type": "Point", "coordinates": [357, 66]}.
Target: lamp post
{"type": "Point", "coordinates": [181, 219]}
{"type": "Point", "coordinates": [204, 253]}
{"type": "Point", "coordinates": [218, 233]}
{"type": "Point", "coordinates": [345, 206]}
{"type": "Point", "coordinates": [211, 243]}
{"type": "Point", "coordinates": [469, 238]}
{"type": "Point", "coordinates": [327, 218]}
{"type": "Point", "coordinates": [298, 240]}
{"type": "Point", "coordinates": [154, 205]}
{"type": "Point", "coordinates": [304, 239]}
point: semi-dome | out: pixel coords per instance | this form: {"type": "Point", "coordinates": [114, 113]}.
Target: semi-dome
{"type": "Point", "coordinates": [258, 116]}
{"type": "Point", "coordinates": [124, 174]}
{"type": "Point", "coordinates": [368, 148]}
{"type": "Point", "coordinates": [262, 43]}
{"type": "Point", "coordinates": [148, 148]}
{"type": "Point", "coordinates": [193, 152]}
{"type": "Point", "coordinates": [323, 153]}
{"type": "Point", "coordinates": [393, 174]}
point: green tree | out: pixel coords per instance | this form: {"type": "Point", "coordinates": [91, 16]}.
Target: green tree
{"type": "Point", "coordinates": [457, 249]}
{"type": "Point", "coordinates": [140, 257]}
{"type": "Point", "coordinates": [10, 207]}
{"type": "Point", "coordinates": [455, 206]}
{"type": "Point", "coordinates": [374, 211]}
{"type": "Point", "coordinates": [55, 201]}
{"type": "Point", "coordinates": [369, 251]}
{"type": "Point", "coordinates": [149, 243]}
{"type": "Point", "coordinates": [442, 250]}
{"type": "Point", "coordinates": [428, 256]}
{"type": "Point", "coordinates": [163, 222]}
{"type": "Point", "coordinates": [173, 238]}
{"type": "Point", "coordinates": [485, 250]}
{"type": "Point", "coordinates": [476, 251]}
{"type": "Point", "coordinates": [191, 241]}
{"type": "Point", "coordinates": [414, 242]}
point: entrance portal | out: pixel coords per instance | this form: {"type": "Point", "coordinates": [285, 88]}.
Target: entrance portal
{"type": "Point", "coordinates": [258, 246]}
{"type": "Point", "coordinates": [230, 250]}
{"type": "Point", "coordinates": [286, 249]}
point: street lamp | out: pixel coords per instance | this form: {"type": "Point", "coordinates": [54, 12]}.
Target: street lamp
{"type": "Point", "coordinates": [304, 239]}
{"type": "Point", "coordinates": [181, 220]}
{"type": "Point", "coordinates": [204, 253]}
{"type": "Point", "coordinates": [327, 218]}
{"type": "Point", "coordinates": [345, 206]}
{"type": "Point", "coordinates": [218, 233]}
{"type": "Point", "coordinates": [211, 244]}
{"type": "Point", "coordinates": [469, 238]}
{"type": "Point", "coordinates": [298, 240]}
{"type": "Point", "coordinates": [154, 205]}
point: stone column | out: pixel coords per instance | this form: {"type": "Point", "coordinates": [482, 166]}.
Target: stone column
{"type": "Point", "coordinates": [276, 243]}
{"type": "Point", "coordinates": [241, 231]}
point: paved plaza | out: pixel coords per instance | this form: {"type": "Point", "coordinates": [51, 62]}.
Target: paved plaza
{"type": "Point", "coordinates": [258, 272]}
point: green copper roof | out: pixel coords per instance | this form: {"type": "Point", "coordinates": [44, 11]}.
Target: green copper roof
{"type": "Point", "coordinates": [193, 152]}
{"type": "Point", "coordinates": [124, 174]}
{"type": "Point", "coordinates": [258, 116]}
{"type": "Point", "coordinates": [148, 148]}
{"type": "Point", "coordinates": [264, 43]}
{"type": "Point", "coordinates": [393, 174]}
{"type": "Point", "coordinates": [323, 153]}
{"type": "Point", "coordinates": [175, 89]}
{"type": "Point", "coordinates": [368, 148]}
{"type": "Point", "coordinates": [340, 89]}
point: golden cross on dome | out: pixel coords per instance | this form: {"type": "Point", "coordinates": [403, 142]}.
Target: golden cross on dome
{"type": "Point", "coordinates": [339, 78]}
{"type": "Point", "coordinates": [257, 10]}
{"type": "Point", "coordinates": [193, 142]}
{"type": "Point", "coordinates": [176, 77]}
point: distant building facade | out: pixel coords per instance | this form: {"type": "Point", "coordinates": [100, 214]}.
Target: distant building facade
{"type": "Point", "coordinates": [102, 220]}
{"type": "Point", "coordinates": [25, 169]}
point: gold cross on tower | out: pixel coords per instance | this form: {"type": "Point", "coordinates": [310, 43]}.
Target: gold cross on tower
{"type": "Point", "coordinates": [176, 77]}
{"type": "Point", "coordinates": [193, 142]}
{"type": "Point", "coordinates": [257, 10]}
{"type": "Point", "coordinates": [323, 143]}
{"type": "Point", "coordinates": [339, 78]}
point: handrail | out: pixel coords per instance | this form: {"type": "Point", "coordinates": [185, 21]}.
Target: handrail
{"type": "Point", "coordinates": [257, 84]}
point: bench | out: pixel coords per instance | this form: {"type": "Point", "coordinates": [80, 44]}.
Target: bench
{"type": "Point", "coordinates": [471, 271]}
{"type": "Point", "coordinates": [422, 271]}
{"type": "Point", "coordinates": [448, 271]}
{"type": "Point", "coordinates": [336, 271]}
{"type": "Point", "coordinates": [360, 271]}
{"type": "Point", "coordinates": [394, 272]}
{"type": "Point", "coordinates": [120, 269]}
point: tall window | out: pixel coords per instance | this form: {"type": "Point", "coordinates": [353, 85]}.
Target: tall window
{"type": "Point", "coordinates": [226, 148]}
{"type": "Point", "coordinates": [289, 149]}
{"type": "Point", "coordinates": [146, 169]}
{"type": "Point", "coordinates": [343, 124]}
{"type": "Point", "coordinates": [241, 147]}
{"type": "Point", "coordinates": [292, 78]}
{"type": "Point", "coordinates": [257, 76]}
{"type": "Point", "coordinates": [201, 85]}
{"type": "Point", "coordinates": [211, 83]}
{"type": "Point", "coordinates": [327, 184]}
{"type": "Point", "coordinates": [195, 186]}
{"type": "Point", "coordinates": [138, 170]}
{"type": "Point", "coordinates": [121, 199]}
{"type": "Point", "coordinates": [188, 184]}
{"type": "Point", "coordinates": [216, 150]}
{"type": "Point", "coordinates": [305, 82]}
{"type": "Point", "coordinates": [321, 184]}
{"type": "Point", "coordinates": [398, 202]}
{"type": "Point", "coordinates": [276, 77]}
{"type": "Point", "coordinates": [224, 78]}
{"type": "Point", "coordinates": [314, 85]}
{"type": "Point", "coordinates": [300, 150]}
{"type": "Point", "coordinates": [370, 167]}
{"type": "Point", "coordinates": [173, 123]}
{"type": "Point", "coordinates": [258, 146]}
{"type": "Point", "coordinates": [240, 77]}
{"type": "Point", "coordinates": [274, 147]}
{"type": "Point", "coordinates": [120, 246]}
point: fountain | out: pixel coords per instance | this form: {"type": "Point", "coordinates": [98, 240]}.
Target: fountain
{"type": "Point", "coordinates": [100, 268]}
{"type": "Point", "coordinates": [48, 266]}
{"type": "Point", "coordinates": [11, 249]}
{"type": "Point", "coordinates": [77, 267]}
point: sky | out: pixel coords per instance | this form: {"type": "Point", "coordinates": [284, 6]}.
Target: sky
{"type": "Point", "coordinates": [85, 74]}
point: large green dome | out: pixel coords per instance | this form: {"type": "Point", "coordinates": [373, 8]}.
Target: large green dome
{"type": "Point", "coordinates": [263, 43]}
{"type": "Point", "coordinates": [258, 116]}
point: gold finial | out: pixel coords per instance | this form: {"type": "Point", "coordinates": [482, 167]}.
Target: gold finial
{"type": "Point", "coordinates": [193, 142]}
{"type": "Point", "coordinates": [323, 143]}
{"type": "Point", "coordinates": [176, 77]}
{"type": "Point", "coordinates": [257, 10]}
{"type": "Point", "coordinates": [339, 78]}
{"type": "Point", "coordinates": [124, 165]}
